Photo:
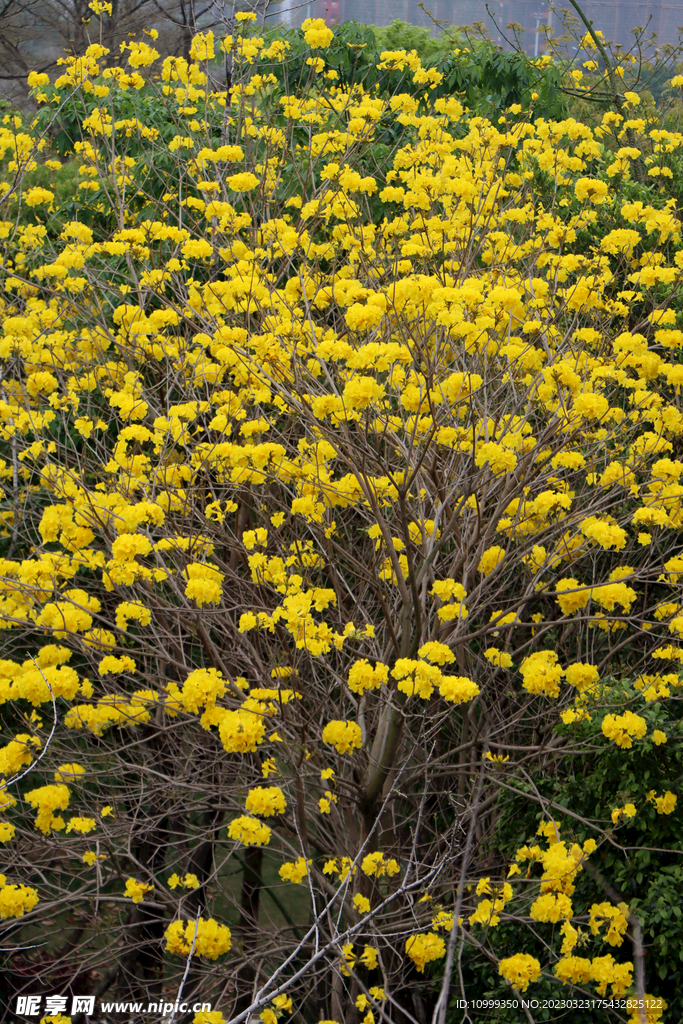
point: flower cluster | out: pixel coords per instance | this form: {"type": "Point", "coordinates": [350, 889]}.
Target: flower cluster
{"type": "Point", "coordinates": [16, 900]}
{"type": "Point", "coordinates": [425, 947]}
{"type": "Point", "coordinates": [136, 891]}
{"type": "Point", "coordinates": [520, 970]}
{"type": "Point", "coordinates": [294, 871]}
{"type": "Point", "coordinates": [623, 729]}
{"type": "Point", "coordinates": [345, 737]}
{"type": "Point", "coordinates": [209, 938]}
{"type": "Point", "coordinates": [249, 831]}
{"type": "Point", "coordinates": [266, 801]}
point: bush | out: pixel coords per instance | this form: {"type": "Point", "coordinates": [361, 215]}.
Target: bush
{"type": "Point", "coordinates": [489, 79]}
{"type": "Point", "coordinates": [401, 35]}
{"type": "Point", "coordinates": [341, 511]}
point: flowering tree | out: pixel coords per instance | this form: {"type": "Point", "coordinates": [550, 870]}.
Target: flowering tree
{"type": "Point", "coordinates": [341, 508]}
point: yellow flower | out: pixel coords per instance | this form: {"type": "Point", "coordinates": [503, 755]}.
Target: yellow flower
{"type": "Point", "coordinates": [36, 196]}
{"type": "Point", "coordinates": [47, 800]}
{"type": "Point", "coordinates": [360, 392]}
{"type": "Point", "coordinates": [362, 676]}
{"type": "Point", "coordinates": [581, 675]}
{"type": "Point", "coordinates": [490, 559]}
{"type": "Point", "coordinates": [571, 596]}
{"type": "Point", "coordinates": [15, 900]}
{"type": "Point", "coordinates": [266, 801]}
{"type": "Point", "coordinates": [458, 689]}
{"type": "Point", "coordinates": [249, 831]}
{"type": "Point", "coordinates": [437, 653]}
{"type": "Point", "coordinates": [316, 33]}
{"type": "Point", "coordinates": [574, 970]}
{"type": "Point", "coordinates": [664, 804]}
{"type": "Point", "coordinates": [541, 673]}
{"type": "Point", "coordinates": [68, 772]}
{"type": "Point", "coordinates": [590, 406]}
{"type": "Point", "coordinates": [344, 736]}
{"type": "Point", "coordinates": [210, 938]}
{"type": "Point", "coordinates": [623, 729]}
{"type": "Point", "coordinates": [294, 871]}
{"type": "Point", "coordinates": [202, 46]}
{"type": "Point", "coordinates": [496, 758]}
{"type": "Point", "coordinates": [137, 890]}
{"type": "Point", "coordinates": [499, 658]}
{"type": "Point", "coordinates": [374, 864]}
{"type": "Point", "coordinates": [520, 970]}
{"type": "Point", "coordinates": [190, 881]}
{"type": "Point", "coordinates": [369, 957]}
{"type": "Point", "coordinates": [425, 947]}
{"type": "Point", "coordinates": [36, 79]}
{"type": "Point", "coordinates": [204, 584]}
{"type": "Point", "coordinates": [551, 907]}
{"type": "Point", "coordinates": [245, 181]}
{"type": "Point", "coordinates": [82, 825]}
{"type": "Point", "coordinates": [616, 919]}
{"type": "Point", "coordinates": [496, 456]}
{"type": "Point", "coordinates": [591, 189]}
{"type": "Point", "coordinates": [90, 857]}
